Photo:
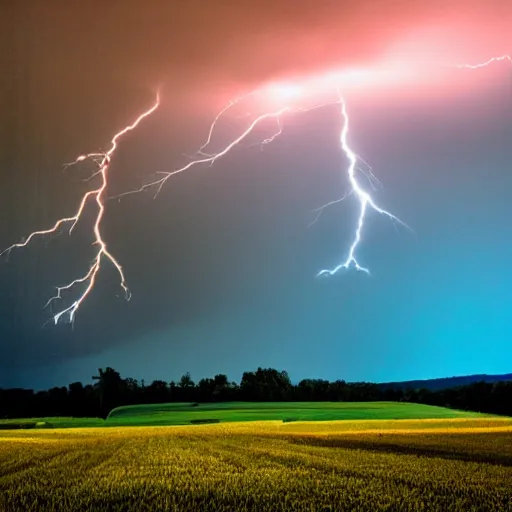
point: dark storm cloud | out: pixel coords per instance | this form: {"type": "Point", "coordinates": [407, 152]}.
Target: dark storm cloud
{"type": "Point", "coordinates": [73, 73]}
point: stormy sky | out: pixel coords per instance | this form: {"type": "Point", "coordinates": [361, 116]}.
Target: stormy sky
{"type": "Point", "coordinates": [222, 264]}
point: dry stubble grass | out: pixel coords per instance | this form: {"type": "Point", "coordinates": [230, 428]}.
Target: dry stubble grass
{"type": "Point", "coordinates": [418, 465]}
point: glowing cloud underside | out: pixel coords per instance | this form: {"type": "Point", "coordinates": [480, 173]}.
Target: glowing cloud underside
{"type": "Point", "coordinates": [289, 99]}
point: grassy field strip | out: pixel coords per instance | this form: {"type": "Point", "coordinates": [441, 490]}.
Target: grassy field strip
{"type": "Point", "coordinates": [175, 413]}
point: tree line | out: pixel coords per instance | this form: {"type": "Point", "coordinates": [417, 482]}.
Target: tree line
{"type": "Point", "coordinates": [110, 390]}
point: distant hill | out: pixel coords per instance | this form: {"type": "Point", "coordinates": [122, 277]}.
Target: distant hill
{"type": "Point", "coordinates": [446, 382]}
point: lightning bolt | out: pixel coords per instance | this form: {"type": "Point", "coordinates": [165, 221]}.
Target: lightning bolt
{"type": "Point", "coordinates": [209, 159]}
{"type": "Point", "coordinates": [485, 64]}
{"type": "Point", "coordinates": [364, 198]}
{"type": "Point", "coordinates": [231, 104]}
{"type": "Point", "coordinates": [102, 161]}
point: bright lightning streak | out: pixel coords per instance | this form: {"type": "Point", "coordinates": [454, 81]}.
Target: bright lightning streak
{"type": "Point", "coordinates": [363, 197]}
{"type": "Point", "coordinates": [102, 160]}
{"type": "Point", "coordinates": [485, 64]}
{"type": "Point", "coordinates": [285, 92]}
{"type": "Point", "coordinates": [212, 158]}
{"type": "Point", "coordinates": [208, 159]}
{"type": "Point", "coordinates": [230, 105]}
{"type": "Point", "coordinates": [274, 136]}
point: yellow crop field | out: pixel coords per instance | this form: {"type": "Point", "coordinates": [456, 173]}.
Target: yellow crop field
{"type": "Point", "coordinates": [402, 465]}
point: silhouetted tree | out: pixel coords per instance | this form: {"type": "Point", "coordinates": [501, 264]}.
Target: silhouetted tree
{"type": "Point", "coordinates": [76, 398]}
{"type": "Point", "coordinates": [338, 391]}
{"type": "Point", "coordinates": [205, 390]}
{"type": "Point", "coordinates": [265, 385]}
{"type": "Point", "coordinates": [311, 390]}
{"type": "Point", "coordinates": [221, 388]}
{"type": "Point", "coordinates": [187, 386]}
{"type": "Point", "coordinates": [132, 392]}
{"type": "Point", "coordinates": [158, 392]}
{"type": "Point", "coordinates": [110, 387]}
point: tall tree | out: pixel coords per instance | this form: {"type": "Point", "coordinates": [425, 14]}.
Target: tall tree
{"type": "Point", "coordinates": [110, 388]}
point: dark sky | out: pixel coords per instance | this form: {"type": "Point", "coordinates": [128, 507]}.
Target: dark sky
{"type": "Point", "coordinates": [222, 264]}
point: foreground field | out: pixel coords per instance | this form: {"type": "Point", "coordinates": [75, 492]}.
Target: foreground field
{"type": "Point", "coordinates": [430, 465]}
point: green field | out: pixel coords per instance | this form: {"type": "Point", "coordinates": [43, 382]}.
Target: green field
{"type": "Point", "coordinates": [186, 413]}
{"type": "Point", "coordinates": [450, 464]}
{"type": "Point", "coordinates": [182, 414]}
